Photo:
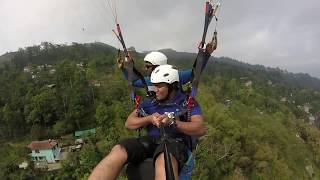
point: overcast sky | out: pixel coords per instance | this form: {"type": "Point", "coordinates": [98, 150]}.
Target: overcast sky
{"type": "Point", "coordinates": [275, 33]}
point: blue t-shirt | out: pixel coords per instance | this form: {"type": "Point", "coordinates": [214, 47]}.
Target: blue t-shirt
{"type": "Point", "coordinates": [177, 105]}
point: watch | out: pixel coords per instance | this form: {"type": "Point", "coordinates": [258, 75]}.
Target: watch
{"type": "Point", "coordinates": [172, 118]}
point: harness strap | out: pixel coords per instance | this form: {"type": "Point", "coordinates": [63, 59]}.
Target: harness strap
{"type": "Point", "coordinates": [189, 105]}
{"type": "Point", "coordinates": [186, 108]}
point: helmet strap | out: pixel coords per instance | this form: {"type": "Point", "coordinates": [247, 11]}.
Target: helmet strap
{"type": "Point", "coordinates": [171, 88]}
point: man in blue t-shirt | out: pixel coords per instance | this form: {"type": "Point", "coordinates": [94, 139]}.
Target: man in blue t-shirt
{"type": "Point", "coordinates": [155, 59]}
{"type": "Point", "coordinates": [167, 109]}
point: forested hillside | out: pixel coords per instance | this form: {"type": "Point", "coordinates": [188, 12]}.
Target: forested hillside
{"type": "Point", "coordinates": [262, 123]}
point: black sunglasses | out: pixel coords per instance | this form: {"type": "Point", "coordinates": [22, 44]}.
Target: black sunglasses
{"type": "Point", "coordinates": [147, 66]}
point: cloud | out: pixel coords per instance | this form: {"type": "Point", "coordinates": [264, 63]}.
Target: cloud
{"type": "Point", "coordinates": [276, 33]}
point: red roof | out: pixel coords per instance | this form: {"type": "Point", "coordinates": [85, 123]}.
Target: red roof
{"type": "Point", "coordinates": [47, 144]}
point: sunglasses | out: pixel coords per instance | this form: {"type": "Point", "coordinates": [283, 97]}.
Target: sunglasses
{"type": "Point", "coordinates": [147, 66]}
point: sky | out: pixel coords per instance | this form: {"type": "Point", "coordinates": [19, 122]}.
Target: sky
{"type": "Point", "coordinates": [274, 33]}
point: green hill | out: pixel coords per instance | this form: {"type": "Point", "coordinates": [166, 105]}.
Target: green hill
{"type": "Point", "coordinates": [6, 57]}
{"type": "Point", "coordinates": [262, 122]}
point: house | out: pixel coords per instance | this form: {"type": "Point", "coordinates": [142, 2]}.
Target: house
{"type": "Point", "coordinates": [283, 99]}
{"type": "Point", "coordinates": [79, 134]}
{"type": "Point", "coordinates": [312, 119]}
{"type": "Point", "coordinates": [307, 107]}
{"type": "Point", "coordinates": [51, 85]}
{"type": "Point", "coordinates": [52, 71]}
{"type": "Point", "coordinates": [47, 150]}
{"type": "Point", "coordinates": [40, 67]}
{"type": "Point", "coordinates": [248, 83]}
{"type": "Point", "coordinates": [227, 103]}
{"type": "Point", "coordinates": [81, 64]}
{"type": "Point", "coordinates": [77, 145]}
{"type": "Point", "coordinates": [95, 83]}
{"type": "Point", "coordinates": [27, 69]}
{"type": "Point", "coordinates": [23, 165]}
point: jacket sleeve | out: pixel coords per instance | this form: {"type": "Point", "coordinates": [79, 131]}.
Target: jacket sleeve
{"type": "Point", "coordinates": [125, 73]}
{"type": "Point", "coordinates": [185, 76]}
{"type": "Point", "coordinates": [136, 82]}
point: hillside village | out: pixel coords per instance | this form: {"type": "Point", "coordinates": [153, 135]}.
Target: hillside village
{"type": "Point", "coordinates": [51, 151]}
{"type": "Point", "coordinates": [47, 154]}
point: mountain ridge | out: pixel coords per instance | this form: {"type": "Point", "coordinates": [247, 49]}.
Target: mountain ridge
{"type": "Point", "coordinates": [186, 59]}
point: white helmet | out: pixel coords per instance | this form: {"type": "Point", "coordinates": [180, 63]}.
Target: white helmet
{"type": "Point", "coordinates": [165, 74]}
{"type": "Point", "coordinates": [156, 58]}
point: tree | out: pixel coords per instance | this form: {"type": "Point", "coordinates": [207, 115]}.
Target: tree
{"type": "Point", "coordinates": [42, 108]}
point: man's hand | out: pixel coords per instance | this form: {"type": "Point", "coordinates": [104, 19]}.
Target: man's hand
{"type": "Point", "coordinates": [211, 47]}
{"type": "Point", "coordinates": [120, 62]}
{"type": "Point", "coordinates": [166, 120]}
{"type": "Point", "coordinates": [129, 58]}
{"type": "Point", "coordinates": [156, 119]}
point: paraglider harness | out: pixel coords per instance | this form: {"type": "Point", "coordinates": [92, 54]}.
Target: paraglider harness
{"type": "Point", "coordinates": [182, 115]}
{"type": "Point", "coordinates": [165, 139]}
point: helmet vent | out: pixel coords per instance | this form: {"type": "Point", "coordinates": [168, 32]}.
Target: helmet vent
{"type": "Point", "coordinates": [166, 74]}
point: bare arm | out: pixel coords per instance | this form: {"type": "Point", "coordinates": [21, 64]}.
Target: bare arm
{"type": "Point", "coordinates": [195, 127]}
{"type": "Point", "coordinates": [135, 122]}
